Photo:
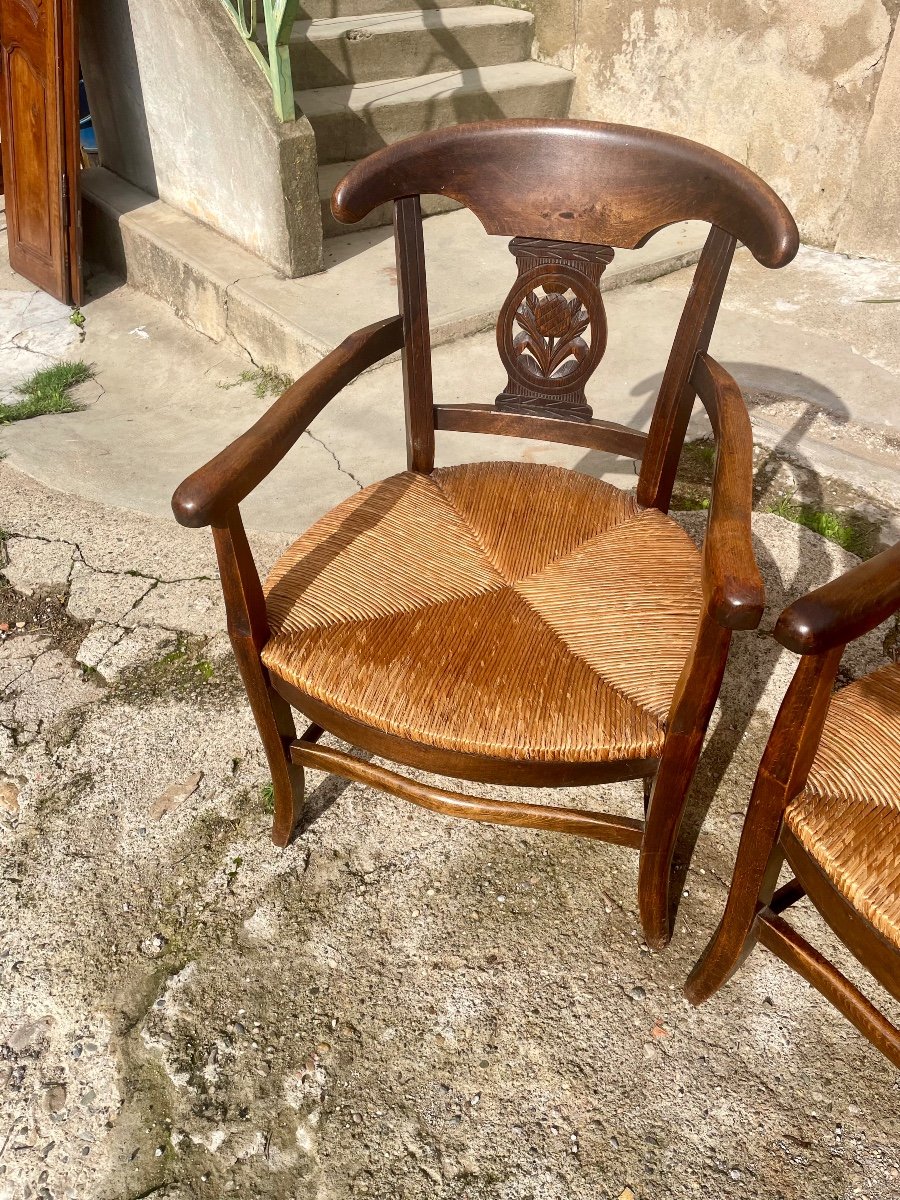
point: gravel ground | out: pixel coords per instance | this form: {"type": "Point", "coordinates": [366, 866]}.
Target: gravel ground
{"type": "Point", "coordinates": [397, 1006]}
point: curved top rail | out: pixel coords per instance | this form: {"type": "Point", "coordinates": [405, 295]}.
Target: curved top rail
{"type": "Point", "coordinates": [580, 181]}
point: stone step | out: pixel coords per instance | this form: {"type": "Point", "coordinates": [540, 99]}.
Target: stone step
{"type": "Point", "coordinates": [360, 49]}
{"type": "Point", "coordinates": [331, 174]}
{"type": "Point", "coordinates": [314, 10]}
{"type": "Point", "coordinates": [233, 297]}
{"type": "Point", "coordinates": [356, 119]}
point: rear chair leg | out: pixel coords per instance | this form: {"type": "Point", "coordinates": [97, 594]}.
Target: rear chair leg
{"type": "Point", "coordinates": [692, 705]}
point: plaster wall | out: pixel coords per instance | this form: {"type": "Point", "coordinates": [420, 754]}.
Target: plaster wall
{"type": "Point", "coordinates": [871, 225]}
{"type": "Point", "coordinates": [183, 112]}
{"type": "Point", "coordinates": [786, 86]}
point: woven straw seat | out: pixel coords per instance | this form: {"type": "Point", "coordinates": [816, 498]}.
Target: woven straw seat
{"type": "Point", "coordinates": [848, 816]}
{"type": "Point", "coordinates": [517, 610]}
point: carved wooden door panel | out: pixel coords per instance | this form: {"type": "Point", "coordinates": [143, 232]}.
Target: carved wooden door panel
{"type": "Point", "coordinates": [39, 123]}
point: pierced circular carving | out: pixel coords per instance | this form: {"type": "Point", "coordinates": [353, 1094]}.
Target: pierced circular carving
{"type": "Point", "coordinates": [551, 333]}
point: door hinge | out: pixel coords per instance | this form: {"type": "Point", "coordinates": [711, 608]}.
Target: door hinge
{"type": "Point", "coordinates": [64, 194]}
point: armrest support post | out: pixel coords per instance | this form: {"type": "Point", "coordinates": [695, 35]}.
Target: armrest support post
{"type": "Point", "coordinates": [732, 585]}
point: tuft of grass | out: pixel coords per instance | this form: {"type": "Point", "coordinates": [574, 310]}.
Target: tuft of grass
{"type": "Point", "coordinates": [267, 796]}
{"type": "Point", "coordinates": [267, 381]}
{"type": "Point", "coordinates": [77, 317]}
{"type": "Point", "coordinates": [47, 391]}
{"type": "Point", "coordinates": [837, 529]}
{"type": "Point", "coordinates": [689, 502]}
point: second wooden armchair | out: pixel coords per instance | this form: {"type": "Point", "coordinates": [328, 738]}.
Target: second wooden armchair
{"type": "Point", "coordinates": [507, 622]}
{"type": "Point", "coordinates": [827, 801]}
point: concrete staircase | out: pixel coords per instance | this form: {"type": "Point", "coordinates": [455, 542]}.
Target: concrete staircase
{"type": "Point", "coordinates": [372, 72]}
{"type": "Point", "coordinates": [375, 76]}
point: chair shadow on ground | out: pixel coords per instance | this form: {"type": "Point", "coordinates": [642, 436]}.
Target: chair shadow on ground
{"type": "Point", "coordinates": [746, 681]}
{"type": "Point", "coordinates": [327, 793]}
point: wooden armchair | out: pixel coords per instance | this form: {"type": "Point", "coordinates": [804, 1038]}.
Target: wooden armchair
{"type": "Point", "coordinates": [827, 799]}
{"type": "Point", "coordinates": [507, 622]}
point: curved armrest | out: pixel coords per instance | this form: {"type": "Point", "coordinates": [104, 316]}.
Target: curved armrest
{"type": "Point", "coordinates": [732, 585]}
{"type": "Point", "coordinates": [222, 484]}
{"type": "Point", "coordinates": [844, 609]}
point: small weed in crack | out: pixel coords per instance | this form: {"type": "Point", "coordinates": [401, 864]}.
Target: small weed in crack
{"type": "Point", "coordinates": [47, 391]}
{"type": "Point", "coordinates": [267, 381]}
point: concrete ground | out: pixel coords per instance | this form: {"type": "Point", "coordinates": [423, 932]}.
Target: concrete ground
{"type": "Point", "coordinates": [397, 1006]}
{"type": "Point", "coordinates": [817, 356]}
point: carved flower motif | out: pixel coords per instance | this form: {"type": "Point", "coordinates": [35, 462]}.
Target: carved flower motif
{"type": "Point", "coordinates": [553, 316]}
{"type": "Point", "coordinates": [550, 344]}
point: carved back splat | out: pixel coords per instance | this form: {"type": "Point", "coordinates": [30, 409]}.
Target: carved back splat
{"type": "Point", "coordinates": [551, 332]}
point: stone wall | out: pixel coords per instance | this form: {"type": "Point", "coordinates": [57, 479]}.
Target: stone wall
{"type": "Point", "coordinates": [183, 112]}
{"type": "Point", "coordinates": [786, 86]}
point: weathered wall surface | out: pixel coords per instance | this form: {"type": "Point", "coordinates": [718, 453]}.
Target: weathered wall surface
{"type": "Point", "coordinates": [183, 112]}
{"type": "Point", "coordinates": [871, 225]}
{"type": "Point", "coordinates": [786, 86]}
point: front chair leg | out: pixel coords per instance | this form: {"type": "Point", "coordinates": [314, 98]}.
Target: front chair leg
{"type": "Point", "coordinates": [754, 885]}
{"type": "Point", "coordinates": [248, 630]}
{"type": "Point", "coordinates": [782, 774]}
{"type": "Point", "coordinates": [692, 705]}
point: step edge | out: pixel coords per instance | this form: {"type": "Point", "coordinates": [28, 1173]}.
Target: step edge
{"type": "Point", "coordinates": [325, 29]}
{"type": "Point", "coordinates": [544, 72]}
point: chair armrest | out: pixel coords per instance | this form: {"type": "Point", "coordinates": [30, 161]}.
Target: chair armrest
{"type": "Point", "coordinates": [844, 609]}
{"type": "Point", "coordinates": [219, 486]}
{"type": "Point", "coordinates": [732, 585]}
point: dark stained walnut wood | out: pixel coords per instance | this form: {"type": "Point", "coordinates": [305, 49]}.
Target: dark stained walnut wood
{"type": "Point", "coordinates": [621, 831]}
{"type": "Point", "coordinates": [689, 716]}
{"type": "Point", "coordinates": [845, 609]}
{"type": "Point", "coordinates": [820, 624]}
{"type": "Point", "coordinates": [676, 394]}
{"type": "Point", "coordinates": [575, 181]}
{"type": "Point", "coordinates": [593, 435]}
{"type": "Point", "coordinates": [541, 338]}
{"type": "Point", "coordinates": [784, 941]}
{"type": "Point", "coordinates": [248, 629]}
{"type": "Point", "coordinates": [733, 586]}
{"type": "Point", "coordinates": [567, 192]}
{"type": "Point", "coordinates": [416, 334]}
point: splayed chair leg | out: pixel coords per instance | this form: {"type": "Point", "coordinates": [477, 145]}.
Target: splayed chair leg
{"type": "Point", "coordinates": [737, 932]}
{"type": "Point", "coordinates": [248, 630]}
{"type": "Point", "coordinates": [692, 706]}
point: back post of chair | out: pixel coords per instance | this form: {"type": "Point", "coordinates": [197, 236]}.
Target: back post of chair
{"type": "Point", "coordinates": [416, 354]}
{"type": "Point", "coordinates": [675, 400]}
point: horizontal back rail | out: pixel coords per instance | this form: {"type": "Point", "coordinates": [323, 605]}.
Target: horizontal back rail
{"type": "Point", "coordinates": [607, 436]}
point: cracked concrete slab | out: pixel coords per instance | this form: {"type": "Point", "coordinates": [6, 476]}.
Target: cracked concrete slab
{"type": "Point", "coordinates": [35, 331]}
{"type": "Point", "coordinates": [397, 1005]}
{"type": "Point", "coordinates": [39, 685]}
{"type": "Point", "coordinates": [104, 596]}
{"type": "Point", "coordinates": [113, 651]}
{"type": "Point", "coordinates": [34, 563]}
{"type": "Point", "coordinates": [191, 605]}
